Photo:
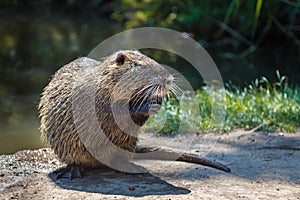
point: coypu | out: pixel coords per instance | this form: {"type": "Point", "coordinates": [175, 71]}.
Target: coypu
{"type": "Point", "coordinates": [125, 77]}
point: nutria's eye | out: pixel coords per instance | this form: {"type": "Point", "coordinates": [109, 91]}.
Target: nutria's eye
{"type": "Point", "coordinates": [120, 59]}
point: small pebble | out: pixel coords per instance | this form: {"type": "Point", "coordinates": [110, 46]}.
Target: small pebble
{"type": "Point", "coordinates": [131, 188]}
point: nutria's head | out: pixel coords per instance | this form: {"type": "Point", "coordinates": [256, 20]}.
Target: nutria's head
{"type": "Point", "coordinates": [136, 79]}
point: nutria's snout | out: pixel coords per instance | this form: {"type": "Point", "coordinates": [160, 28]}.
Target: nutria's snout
{"type": "Point", "coordinates": [152, 94]}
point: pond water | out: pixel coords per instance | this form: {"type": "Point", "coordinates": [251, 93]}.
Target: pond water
{"type": "Point", "coordinates": [33, 47]}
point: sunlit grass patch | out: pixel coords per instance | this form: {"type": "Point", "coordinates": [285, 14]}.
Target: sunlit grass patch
{"type": "Point", "coordinates": [261, 106]}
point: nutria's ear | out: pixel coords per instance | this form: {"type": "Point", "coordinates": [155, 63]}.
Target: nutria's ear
{"type": "Point", "coordinates": [120, 59]}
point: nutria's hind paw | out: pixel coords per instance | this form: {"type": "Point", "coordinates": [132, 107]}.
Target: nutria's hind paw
{"type": "Point", "coordinates": [70, 172]}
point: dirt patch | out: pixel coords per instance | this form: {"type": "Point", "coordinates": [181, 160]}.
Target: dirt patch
{"type": "Point", "coordinates": [263, 165]}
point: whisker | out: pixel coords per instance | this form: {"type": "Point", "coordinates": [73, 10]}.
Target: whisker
{"type": "Point", "coordinates": [148, 92]}
{"type": "Point", "coordinates": [151, 91]}
{"type": "Point", "coordinates": [140, 92]}
{"type": "Point", "coordinates": [143, 89]}
{"type": "Point", "coordinates": [176, 90]}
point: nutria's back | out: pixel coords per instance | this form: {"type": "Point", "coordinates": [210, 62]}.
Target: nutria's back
{"type": "Point", "coordinates": [128, 77]}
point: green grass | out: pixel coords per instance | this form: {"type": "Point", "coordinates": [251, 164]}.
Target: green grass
{"type": "Point", "coordinates": [260, 106]}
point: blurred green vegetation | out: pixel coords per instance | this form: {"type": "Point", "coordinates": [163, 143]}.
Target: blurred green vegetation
{"type": "Point", "coordinates": [231, 22]}
{"type": "Point", "coordinates": [235, 22]}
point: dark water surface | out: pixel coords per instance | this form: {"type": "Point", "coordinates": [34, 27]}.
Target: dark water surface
{"type": "Point", "coordinates": [33, 47]}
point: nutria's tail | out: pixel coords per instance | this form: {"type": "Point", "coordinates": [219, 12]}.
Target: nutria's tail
{"type": "Point", "coordinates": [163, 153]}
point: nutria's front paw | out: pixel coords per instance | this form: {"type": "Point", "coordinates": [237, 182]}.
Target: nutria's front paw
{"type": "Point", "coordinates": [70, 172]}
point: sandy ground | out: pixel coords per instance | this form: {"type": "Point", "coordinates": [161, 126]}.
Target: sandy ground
{"type": "Point", "coordinates": [263, 165]}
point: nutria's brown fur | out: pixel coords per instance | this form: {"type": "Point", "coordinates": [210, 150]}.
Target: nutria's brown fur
{"type": "Point", "coordinates": [129, 70]}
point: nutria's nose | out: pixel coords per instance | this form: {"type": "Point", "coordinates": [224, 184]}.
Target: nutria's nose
{"type": "Point", "coordinates": [169, 80]}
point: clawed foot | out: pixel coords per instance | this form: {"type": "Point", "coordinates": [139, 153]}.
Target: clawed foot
{"type": "Point", "coordinates": [70, 172]}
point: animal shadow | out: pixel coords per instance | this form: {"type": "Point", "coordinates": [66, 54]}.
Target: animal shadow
{"type": "Point", "coordinates": [107, 181]}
